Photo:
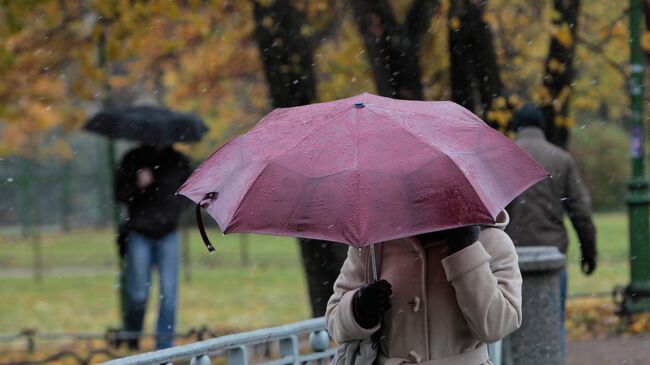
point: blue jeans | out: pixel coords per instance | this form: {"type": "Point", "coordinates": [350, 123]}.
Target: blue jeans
{"type": "Point", "coordinates": [143, 254]}
{"type": "Point", "coordinates": [563, 290]}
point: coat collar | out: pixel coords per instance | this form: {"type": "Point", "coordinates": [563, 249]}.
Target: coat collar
{"type": "Point", "coordinates": [531, 133]}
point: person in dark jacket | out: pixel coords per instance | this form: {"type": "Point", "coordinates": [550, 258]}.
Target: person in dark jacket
{"type": "Point", "coordinates": [537, 215]}
{"type": "Point", "coordinates": [146, 182]}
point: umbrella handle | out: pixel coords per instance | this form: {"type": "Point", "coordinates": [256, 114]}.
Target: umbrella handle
{"type": "Point", "coordinates": [373, 263]}
{"type": "Point", "coordinates": [199, 220]}
{"type": "Point", "coordinates": [376, 337]}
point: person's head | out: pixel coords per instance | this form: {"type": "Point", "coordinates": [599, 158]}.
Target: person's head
{"type": "Point", "coordinates": [528, 116]}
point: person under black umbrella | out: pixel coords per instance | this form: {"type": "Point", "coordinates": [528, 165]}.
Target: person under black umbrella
{"type": "Point", "coordinates": [146, 181]}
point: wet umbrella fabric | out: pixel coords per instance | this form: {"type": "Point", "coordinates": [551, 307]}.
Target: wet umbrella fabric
{"type": "Point", "coordinates": [362, 170]}
{"type": "Point", "coordinates": [148, 124]}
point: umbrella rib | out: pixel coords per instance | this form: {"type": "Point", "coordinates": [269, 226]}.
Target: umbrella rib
{"type": "Point", "coordinates": [379, 106]}
{"type": "Point", "coordinates": [443, 154]}
{"type": "Point", "coordinates": [480, 197]}
{"type": "Point", "coordinates": [241, 201]}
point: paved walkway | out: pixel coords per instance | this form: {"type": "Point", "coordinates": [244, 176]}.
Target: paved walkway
{"type": "Point", "coordinates": [618, 350]}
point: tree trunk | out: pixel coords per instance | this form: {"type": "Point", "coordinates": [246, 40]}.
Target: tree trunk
{"type": "Point", "coordinates": [394, 49]}
{"type": "Point", "coordinates": [460, 57]}
{"type": "Point", "coordinates": [474, 67]}
{"type": "Point", "coordinates": [322, 262]}
{"type": "Point", "coordinates": [288, 58]}
{"type": "Point", "coordinates": [559, 72]}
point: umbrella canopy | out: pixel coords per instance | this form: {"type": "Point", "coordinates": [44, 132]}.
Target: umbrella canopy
{"type": "Point", "coordinates": [148, 124]}
{"type": "Point", "coordinates": [362, 170]}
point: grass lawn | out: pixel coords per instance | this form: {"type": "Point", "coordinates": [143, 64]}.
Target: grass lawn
{"type": "Point", "coordinates": [613, 262]}
{"type": "Point", "coordinates": [222, 294]}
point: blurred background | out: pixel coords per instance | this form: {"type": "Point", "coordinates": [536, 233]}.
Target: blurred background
{"type": "Point", "coordinates": [230, 62]}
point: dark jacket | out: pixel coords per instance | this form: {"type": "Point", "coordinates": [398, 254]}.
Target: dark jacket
{"type": "Point", "coordinates": [537, 215]}
{"type": "Point", "coordinates": [155, 210]}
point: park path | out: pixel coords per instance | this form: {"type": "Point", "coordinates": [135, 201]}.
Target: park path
{"type": "Point", "coordinates": [633, 350]}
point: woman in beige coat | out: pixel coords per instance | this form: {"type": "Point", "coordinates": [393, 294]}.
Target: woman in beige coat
{"type": "Point", "coordinates": [440, 300]}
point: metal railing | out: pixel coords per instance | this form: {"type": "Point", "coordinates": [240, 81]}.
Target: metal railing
{"type": "Point", "coordinates": [235, 348]}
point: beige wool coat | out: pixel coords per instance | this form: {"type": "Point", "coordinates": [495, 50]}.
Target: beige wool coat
{"type": "Point", "coordinates": [444, 308]}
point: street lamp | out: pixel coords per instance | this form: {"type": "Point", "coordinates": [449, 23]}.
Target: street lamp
{"type": "Point", "coordinates": [636, 296]}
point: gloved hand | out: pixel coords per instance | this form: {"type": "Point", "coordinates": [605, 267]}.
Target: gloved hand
{"type": "Point", "coordinates": [370, 302]}
{"type": "Point", "coordinates": [588, 259]}
{"type": "Point", "coordinates": [461, 237]}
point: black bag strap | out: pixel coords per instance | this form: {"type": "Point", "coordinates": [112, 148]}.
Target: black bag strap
{"type": "Point", "coordinates": [207, 199]}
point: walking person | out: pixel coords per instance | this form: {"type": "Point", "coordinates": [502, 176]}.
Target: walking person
{"type": "Point", "coordinates": [537, 215]}
{"type": "Point", "coordinates": [146, 182]}
{"type": "Point", "coordinates": [441, 297]}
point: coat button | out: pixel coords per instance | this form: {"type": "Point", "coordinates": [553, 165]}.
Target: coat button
{"type": "Point", "coordinates": [416, 304]}
{"type": "Point", "coordinates": [415, 356]}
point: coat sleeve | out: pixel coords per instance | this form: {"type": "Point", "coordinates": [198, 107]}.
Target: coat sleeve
{"type": "Point", "coordinates": [339, 315]}
{"type": "Point", "coordinates": [487, 282]}
{"type": "Point", "coordinates": [124, 188]}
{"type": "Point", "coordinates": [577, 203]}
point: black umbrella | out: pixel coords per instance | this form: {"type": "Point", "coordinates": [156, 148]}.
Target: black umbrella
{"type": "Point", "coordinates": [148, 124]}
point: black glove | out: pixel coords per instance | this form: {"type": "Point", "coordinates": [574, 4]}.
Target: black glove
{"type": "Point", "coordinates": [588, 259]}
{"type": "Point", "coordinates": [370, 302]}
{"type": "Point", "coordinates": [461, 237]}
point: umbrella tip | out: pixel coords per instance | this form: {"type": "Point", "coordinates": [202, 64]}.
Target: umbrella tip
{"type": "Point", "coordinates": [359, 105]}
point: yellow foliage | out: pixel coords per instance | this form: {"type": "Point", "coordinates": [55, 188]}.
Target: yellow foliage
{"type": "Point", "coordinates": [562, 34]}
{"type": "Point", "coordinates": [454, 23]}
{"type": "Point", "coordinates": [514, 101]}
{"type": "Point", "coordinates": [619, 29]}
{"type": "Point", "coordinates": [543, 96]}
{"type": "Point", "coordinates": [499, 102]}
{"type": "Point", "coordinates": [205, 57]}
{"type": "Point", "coordinates": [645, 41]}
{"type": "Point", "coordinates": [500, 117]}
{"type": "Point", "coordinates": [267, 21]}
{"type": "Point", "coordinates": [594, 317]}
{"type": "Point", "coordinates": [556, 16]}
{"type": "Point", "coordinates": [585, 102]}
{"type": "Point", "coordinates": [556, 66]}
{"type": "Point", "coordinates": [490, 19]}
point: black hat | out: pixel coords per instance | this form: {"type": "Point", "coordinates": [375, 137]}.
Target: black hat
{"type": "Point", "coordinates": [528, 116]}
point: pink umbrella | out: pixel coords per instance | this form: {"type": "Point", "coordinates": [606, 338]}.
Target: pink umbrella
{"type": "Point", "coordinates": [362, 170]}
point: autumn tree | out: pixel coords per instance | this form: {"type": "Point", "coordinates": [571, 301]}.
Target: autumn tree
{"type": "Point", "coordinates": [559, 71]}
{"type": "Point", "coordinates": [474, 70]}
{"type": "Point", "coordinates": [286, 44]}
{"type": "Point", "coordinates": [394, 49]}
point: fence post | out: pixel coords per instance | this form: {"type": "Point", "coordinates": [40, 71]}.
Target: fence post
{"type": "Point", "coordinates": [25, 204]}
{"type": "Point", "coordinates": [238, 356]}
{"type": "Point", "coordinates": [185, 247]}
{"type": "Point", "coordinates": [201, 360]}
{"type": "Point", "coordinates": [289, 347]}
{"type": "Point", "coordinates": [65, 196]}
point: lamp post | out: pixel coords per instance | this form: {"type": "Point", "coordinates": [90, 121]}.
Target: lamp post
{"type": "Point", "coordinates": [636, 296]}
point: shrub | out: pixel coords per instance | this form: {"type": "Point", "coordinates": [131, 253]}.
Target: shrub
{"type": "Point", "coordinates": [601, 152]}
